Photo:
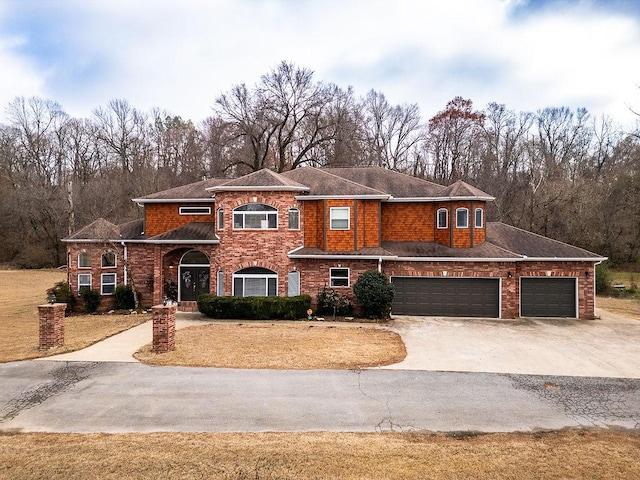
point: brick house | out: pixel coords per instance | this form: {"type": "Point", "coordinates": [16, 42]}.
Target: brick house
{"type": "Point", "coordinates": [296, 232]}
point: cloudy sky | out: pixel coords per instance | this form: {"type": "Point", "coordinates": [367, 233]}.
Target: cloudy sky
{"type": "Point", "coordinates": [180, 55]}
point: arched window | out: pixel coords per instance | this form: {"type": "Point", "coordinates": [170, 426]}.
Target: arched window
{"type": "Point", "coordinates": [478, 218]}
{"type": "Point", "coordinates": [442, 218]}
{"type": "Point", "coordinates": [462, 218]}
{"type": "Point", "coordinates": [108, 260]}
{"type": "Point", "coordinates": [255, 282]}
{"type": "Point", "coordinates": [255, 216]}
{"type": "Point", "coordinates": [194, 257]}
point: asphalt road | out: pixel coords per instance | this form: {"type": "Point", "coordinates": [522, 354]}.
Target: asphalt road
{"type": "Point", "coordinates": [49, 396]}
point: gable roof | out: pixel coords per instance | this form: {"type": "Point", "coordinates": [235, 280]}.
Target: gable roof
{"type": "Point", "coordinates": [533, 246]}
{"type": "Point", "coordinates": [192, 192]}
{"type": "Point", "coordinates": [99, 230]}
{"type": "Point", "coordinates": [396, 184]}
{"type": "Point", "coordinates": [324, 184]}
{"type": "Point", "coordinates": [264, 179]}
{"type": "Point", "coordinates": [463, 191]}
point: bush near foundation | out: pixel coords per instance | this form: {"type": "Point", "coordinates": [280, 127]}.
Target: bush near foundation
{"type": "Point", "coordinates": [374, 294]}
{"type": "Point", "coordinates": [91, 300]}
{"type": "Point", "coordinates": [124, 298]}
{"type": "Point", "coordinates": [254, 308]}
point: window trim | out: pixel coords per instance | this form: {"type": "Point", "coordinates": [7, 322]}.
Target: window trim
{"type": "Point", "coordinates": [220, 283]}
{"type": "Point", "coordinates": [84, 285]}
{"type": "Point", "coordinates": [481, 218]}
{"type": "Point", "coordinates": [103, 283]}
{"type": "Point", "coordinates": [466, 210]}
{"type": "Point", "coordinates": [220, 219]}
{"type": "Point", "coordinates": [296, 274]}
{"type": "Point", "coordinates": [89, 256]}
{"type": "Point", "coordinates": [245, 213]}
{"type": "Point", "coordinates": [244, 276]}
{"type": "Point", "coordinates": [192, 210]}
{"type": "Point", "coordinates": [446, 218]}
{"type": "Point", "coordinates": [332, 278]}
{"type": "Point", "coordinates": [331, 219]}
{"type": "Point", "coordinates": [297, 212]}
{"type": "Point", "coordinates": [115, 260]}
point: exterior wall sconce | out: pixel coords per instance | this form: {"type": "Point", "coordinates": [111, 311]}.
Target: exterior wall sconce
{"type": "Point", "coordinates": [509, 275]}
{"type": "Point", "coordinates": [444, 273]}
{"type": "Point", "coordinates": [586, 274]}
{"type": "Point", "coordinates": [548, 273]}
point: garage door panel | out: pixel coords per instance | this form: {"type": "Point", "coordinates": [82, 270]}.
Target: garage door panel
{"type": "Point", "coordinates": [548, 297]}
{"type": "Point", "coordinates": [451, 297]}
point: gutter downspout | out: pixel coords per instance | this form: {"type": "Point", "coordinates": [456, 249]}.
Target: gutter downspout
{"type": "Point", "coordinates": [380, 264]}
{"type": "Point", "coordinates": [126, 262]}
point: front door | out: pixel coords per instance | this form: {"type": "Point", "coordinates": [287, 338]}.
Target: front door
{"type": "Point", "coordinates": [194, 281]}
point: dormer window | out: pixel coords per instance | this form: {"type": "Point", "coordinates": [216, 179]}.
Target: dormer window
{"type": "Point", "coordinates": [478, 218]}
{"type": "Point", "coordinates": [462, 218]}
{"type": "Point", "coordinates": [255, 216]}
{"type": "Point", "coordinates": [443, 218]}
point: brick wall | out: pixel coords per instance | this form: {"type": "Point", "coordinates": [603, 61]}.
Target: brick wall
{"type": "Point", "coordinates": [162, 217]}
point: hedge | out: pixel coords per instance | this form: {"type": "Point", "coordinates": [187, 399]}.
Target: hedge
{"type": "Point", "coordinates": [254, 308]}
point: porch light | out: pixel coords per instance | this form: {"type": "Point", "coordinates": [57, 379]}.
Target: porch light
{"type": "Point", "coordinates": [509, 275]}
{"type": "Point", "coordinates": [586, 274]}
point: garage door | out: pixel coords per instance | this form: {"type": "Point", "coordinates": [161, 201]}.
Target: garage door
{"type": "Point", "coordinates": [548, 297]}
{"type": "Point", "coordinates": [447, 297]}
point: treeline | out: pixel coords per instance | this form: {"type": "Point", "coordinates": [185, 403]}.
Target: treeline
{"type": "Point", "coordinates": [558, 172]}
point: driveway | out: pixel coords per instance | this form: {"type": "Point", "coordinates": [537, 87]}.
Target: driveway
{"type": "Point", "coordinates": [607, 347]}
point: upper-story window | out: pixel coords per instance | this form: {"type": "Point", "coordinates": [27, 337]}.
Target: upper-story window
{"type": "Point", "coordinates": [255, 216]}
{"type": "Point", "coordinates": [339, 218]}
{"type": "Point", "coordinates": [478, 218]}
{"type": "Point", "coordinates": [462, 218]}
{"type": "Point", "coordinates": [220, 218]}
{"type": "Point", "coordinates": [108, 260]}
{"type": "Point", "coordinates": [195, 210]}
{"type": "Point", "coordinates": [294, 219]}
{"type": "Point", "coordinates": [84, 260]}
{"type": "Point", "coordinates": [443, 218]}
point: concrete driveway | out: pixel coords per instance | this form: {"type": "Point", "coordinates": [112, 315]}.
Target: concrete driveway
{"type": "Point", "coordinates": [608, 347]}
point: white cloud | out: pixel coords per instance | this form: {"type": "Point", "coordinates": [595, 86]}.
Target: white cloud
{"type": "Point", "coordinates": [181, 55]}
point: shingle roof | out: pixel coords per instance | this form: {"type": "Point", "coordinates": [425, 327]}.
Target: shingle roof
{"type": "Point", "coordinates": [436, 250]}
{"type": "Point", "coordinates": [323, 182]}
{"type": "Point", "coordinates": [462, 189]}
{"type": "Point", "coordinates": [397, 184]}
{"type": "Point", "coordinates": [100, 229]}
{"type": "Point", "coordinates": [532, 245]}
{"type": "Point", "coordinates": [197, 190]}
{"type": "Point", "coordinates": [195, 232]}
{"type": "Point", "coordinates": [264, 179]}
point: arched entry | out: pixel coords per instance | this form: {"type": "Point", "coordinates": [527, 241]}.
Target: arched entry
{"type": "Point", "coordinates": [193, 276]}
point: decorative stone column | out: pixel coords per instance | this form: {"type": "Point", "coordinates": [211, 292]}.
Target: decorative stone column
{"type": "Point", "coordinates": [51, 331]}
{"type": "Point", "coordinates": [164, 328]}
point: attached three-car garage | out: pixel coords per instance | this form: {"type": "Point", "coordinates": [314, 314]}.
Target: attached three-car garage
{"type": "Point", "coordinates": [448, 297]}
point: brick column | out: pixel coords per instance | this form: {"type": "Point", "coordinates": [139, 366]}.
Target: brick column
{"type": "Point", "coordinates": [164, 328]}
{"type": "Point", "coordinates": [51, 331]}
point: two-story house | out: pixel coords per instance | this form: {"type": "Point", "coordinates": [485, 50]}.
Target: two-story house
{"type": "Point", "coordinates": [296, 232]}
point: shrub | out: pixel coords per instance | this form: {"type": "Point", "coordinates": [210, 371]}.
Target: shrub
{"type": "Point", "coordinates": [91, 300]}
{"type": "Point", "coordinates": [254, 308]}
{"type": "Point", "coordinates": [63, 294]}
{"type": "Point", "coordinates": [374, 293]}
{"type": "Point", "coordinates": [331, 302]}
{"type": "Point", "coordinates": [603, 278]}
{"type": "Point", "coordinates": [124, 298]}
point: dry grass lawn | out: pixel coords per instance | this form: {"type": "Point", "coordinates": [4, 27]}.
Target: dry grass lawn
{"type": "Point", "coordinates": [21, 293]}
{"type": "Point", "coordinates": [275, 345]}
{"type": "Point", "coordinates": [629, 307]}
{"type": "Point", "coordinates": [557, 455]}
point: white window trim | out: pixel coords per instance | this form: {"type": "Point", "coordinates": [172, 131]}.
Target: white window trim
{"type": "Point", "coordinates": [296, 285]}
{"type": "Point", "coordinates": [90, 281]}
{"type": "Point", "coordinates": [334, 209]}
{"type": "Point", "coordinates": [467, 211]}
{"type": "Point", "coordinates": [220, 219]}
{"type": "Point", "coordinates": [475, 218]}
{"type": "Point", "coordinates": [244, 276]}
{"type": "Point", "coordinates": [289, 218]}
{"type": "Point", "coordinates": [115, 263]}
{"type": "Point", "coordinates": [84, 253]}
{"type": "Point", "coordinates": [331, 277]}
{"type": "Point", "coordinates": [446, 218]}
{"type": "Point", "coordinates": [220, 283]}
{"type": "Point", "coordinates": [243, 213]}
{"type": "Point", "coordinates": [190, 211]}
{"type": "Point", "coordinates": [102, 283]}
